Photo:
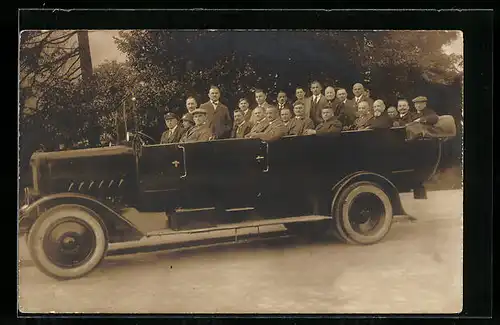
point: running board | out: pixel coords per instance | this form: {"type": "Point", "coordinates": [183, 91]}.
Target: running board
{"type": "Point", "coordinates": [240, 225]}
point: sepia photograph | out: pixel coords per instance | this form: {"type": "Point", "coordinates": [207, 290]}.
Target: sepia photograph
{"type": "Point", "coordinates": [240, 171]}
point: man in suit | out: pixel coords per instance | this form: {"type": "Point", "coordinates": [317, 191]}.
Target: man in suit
{"type": "Point", "coordinates": [282, 101]}
{"type": "Point", "coordinates": [330, 124]}
{"type": "Point", "coordinates": [380, 119]}
{"type": "Point", "coordinates": [241, 126]}
{"type": "Point", "coordinates": [244, 107]}
{"type": "Point", "coordinates": [286, 118]}
{"type": "Point", "coordinates": [392, 112]}
{"type": "Point", "coordinates": [174, 130]}
{"type": "Point", "coordinates": [218, 116]}
{"type": "Point", "coordinates": [346, 109]}
{"type": "Point", "coordinates": [201, 131]}
{"type": "Point", "coordinates": [260, 124]}
{"type": "Point", "coordinates": [300, 121]}
{"type": "Point", "coordinates": [359, 94]}
{"type": "Point", "coordinates": [275, 129]}
{"type": "Point", "coordinates": [424, 114]}
{"type": "Point", "coordinates": [300, 93]}
{"type": "Point", "coordinates": [330, 97]}
{"type": "Point", "coordinates": [187, 125]}
{"type": "Point", "coordinates": [405, 116]}
{"type": "Point", "coordinates": [317, 102]}
{"type": "Point", "coordinates": [424, 119]}
{"type": "Point", "coordinates": [191, 104]}
{"type": "Point", "coordinates": [364, 114]}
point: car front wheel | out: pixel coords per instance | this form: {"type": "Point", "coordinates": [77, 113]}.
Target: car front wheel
{"type": "Point", "coordinates": [67, 241]}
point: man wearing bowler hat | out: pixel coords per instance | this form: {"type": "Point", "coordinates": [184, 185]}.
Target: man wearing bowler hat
{"type": "Point", "coordinates": [201, 131]}
{"type": "Point", "coordinates": [424, 114]}
{"type": "Point", "coordinates": [174, 131]}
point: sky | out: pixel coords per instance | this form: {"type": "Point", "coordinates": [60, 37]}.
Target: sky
{"type": "Point", "coordinates": [103, 47]}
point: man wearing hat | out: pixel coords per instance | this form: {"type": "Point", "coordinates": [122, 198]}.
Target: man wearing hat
{"type": "Point", "coordinates": [187, 124]}
{"type": "Point", "coordinates": [424, 114]}
{"type": "Point", "coordinates": [424, 119]}
{"type": "Point", "coordinates": [201, 131]}
{"type": "Point", "coordinates": [174, 131]}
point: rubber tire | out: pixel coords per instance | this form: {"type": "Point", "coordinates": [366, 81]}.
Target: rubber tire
{"type": "Point", "coordinates": [341, 206]}
{"type": "Point", "coordinates": [37, 233]}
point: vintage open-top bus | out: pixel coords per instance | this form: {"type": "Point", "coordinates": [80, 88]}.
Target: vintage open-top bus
{"type": "Point", "coordinates": [346, 184]}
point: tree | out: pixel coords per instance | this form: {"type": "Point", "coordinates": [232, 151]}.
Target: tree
{"type": "Point", "coordinates": [391, 63]}
{"type": "Point", "coordinates": [46, 59]}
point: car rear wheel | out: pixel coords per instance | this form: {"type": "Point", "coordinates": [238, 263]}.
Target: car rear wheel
{"type": "Point", "coordinates": [362, 213]}
{"type": "Point", "coordinates": [67, 241]}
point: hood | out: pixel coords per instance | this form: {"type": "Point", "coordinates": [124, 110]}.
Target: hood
{"type": "Point", "coordinates": [82, 169]}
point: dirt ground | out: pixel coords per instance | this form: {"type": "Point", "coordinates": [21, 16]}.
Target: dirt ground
{"type": "Point", "coordinates": [417, 268]}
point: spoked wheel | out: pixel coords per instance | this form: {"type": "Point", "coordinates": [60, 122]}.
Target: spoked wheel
{"type": "Point", "coordinates": [363, 213]}
{"type": "Point", "coordinates": [67, 241]}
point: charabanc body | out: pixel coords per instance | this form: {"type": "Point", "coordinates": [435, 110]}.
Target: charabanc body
{"type": "Point", "coordinates": [346, 184]}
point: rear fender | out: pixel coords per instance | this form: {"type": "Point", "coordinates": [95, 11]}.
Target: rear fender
{"type": "Point", "coordinates": [119, 229]}
{"type": "Point", "coordinates": [378, 179]}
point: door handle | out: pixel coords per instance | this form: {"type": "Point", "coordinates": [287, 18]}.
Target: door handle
{"type": "Point", "coordinates": [184, 160]}
{"type": "Point", "coordinates": [259, 158]}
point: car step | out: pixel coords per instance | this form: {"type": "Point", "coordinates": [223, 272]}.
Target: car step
{"type": "Point", "coordinates": [240, 225]}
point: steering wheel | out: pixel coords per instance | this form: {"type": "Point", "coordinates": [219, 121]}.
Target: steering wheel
{"type": "Point", "coordinates": [144, 138]}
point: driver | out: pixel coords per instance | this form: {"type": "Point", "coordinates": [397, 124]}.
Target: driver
{"type": "Point", "coordinates": [174, 131]}
{"type": "Point", "coordinates": [200, 131]}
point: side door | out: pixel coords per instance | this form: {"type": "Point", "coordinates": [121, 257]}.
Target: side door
{"type": "Point", "coordinates": [239, 167]}
{"type": "Point", "coordinates": [160, 172]}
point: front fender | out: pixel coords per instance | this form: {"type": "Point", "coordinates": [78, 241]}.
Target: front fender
{"type": "Point", "coordinates": [119, 228]}
{"type": "Point", "coordinates": [387, 185]}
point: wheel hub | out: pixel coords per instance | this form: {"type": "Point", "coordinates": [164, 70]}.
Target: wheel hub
{"type": "Point", "coordinates": [366, 212]}
{"type": "Point", "coordinates": [69, 243]}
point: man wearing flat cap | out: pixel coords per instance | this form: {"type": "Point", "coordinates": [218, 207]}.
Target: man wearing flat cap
{"type": "Point", "coordinates": [424, 114]}
{"type": "Point", "coordinates": [424, 119]}
{"type": "Point", "coordinates": [201, 130]}
{"type": "Point", "coordinates": [174, 131]}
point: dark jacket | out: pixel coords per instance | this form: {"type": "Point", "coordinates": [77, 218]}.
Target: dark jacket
{"type": "Point", "coordinates": [296, 126]}
{"type": "Point", "coordinates": [427, 115]}
{"type": "Point", "coordinates": [218, 119]}
{"type": "Point", "coordinates": [363, 98]}
{"type": "Point", "coordinates": [198, 133]}
{"type": "Point", "coordinates": [316, 109]}
{"type": "Point", "coordinates": [259, 126]}
{"type": "Point", "coordinates": [248, 115]}
{"type": "Point", "coordinates": [275, 130]}
{"type": "Point", "coordinates": [175, 137]}
{"type": "Point", "coordinates": [346, 112]}
{"type": "Point", "coordinates": [381, 122]}
{"type": "Point", "coordinates": [333, 125]}
{"type": "Point", "coordinates": [286, 105]}
{"type": "Point", "coordinates": [402, 121]}
{"type": "Point", "coordinates": [239, 131]}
